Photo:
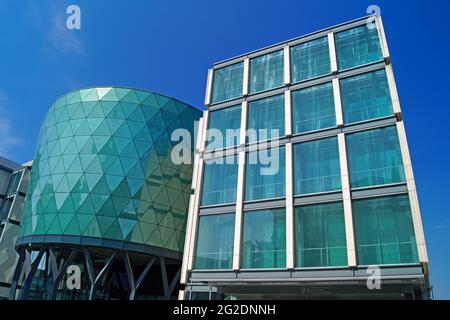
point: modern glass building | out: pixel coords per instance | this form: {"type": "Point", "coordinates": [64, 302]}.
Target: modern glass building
{"type": "Point", "coordinates": [13, 186]}
{"type": "Point", "coordinates": [303, 185]}
{"type": "Point", "coordinates": [106, 198]}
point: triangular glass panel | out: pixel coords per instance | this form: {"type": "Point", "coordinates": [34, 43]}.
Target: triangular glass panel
{"type": "Point", "coordinates": [131, 97]}
{"type": "Point", "coordinates": [142, 95]}
{"type": "Point", "coordinates": [116, 112]}
{"type": "Point", "coordinates": [84, 220]}
{"type": "Point", "coordinates": [87, 207]}
{"type": "Point", "coordinates": [72, 228]}
{"type": "Point", "coordinates": [95, 166]}
{"type": "Point", "coordinates": [92, 230]}
{"type": "Point", "coordinates": [92, 96]}
{"type": "Point", "coordinates": [114, 231]}
{"type": "Point", "coordinates": [94, 123]}
{"type": "Point", "coordinates": [114, 124]}
{"type": "Point", "coordinates": [100, 141]}
{"type": "Point", "coordinates": [107, 209]}
{"type": "Point", "coordinates": [121, 92]}
{"type": "Point", "coordinates": [105, 160]}
{"type": "Point", "coordinates": [86, 160]}
{"type": "Point", "coordinates": [105, 223]}
{"type": "Point", "coordinates": [83, 130]}
{"type": "Point", "coordinates": [110, 96]}
{"type": "Point", "coordinates": [109, 148]}
{"type": "Point", "coordinates": [89, 147]}
{"type": "Point", "coordinates": [103, 129]}
{"type": "Point", "coordinates": [101, 187]}
{"type": "Point", "coordinates": [84, 93]}
{"type": "Point", "coordinates": [135, 235]}
{"type": "Point", "coordinates": [116, 168]}
{"type": "Point", "coordinates": [101, 92]}
{"type": "Point", "coordinates": [92, 179]}
{"type": "Point", "coordinates": [121, 143]}
{"type": "Point", "coordinates": [126, 225]}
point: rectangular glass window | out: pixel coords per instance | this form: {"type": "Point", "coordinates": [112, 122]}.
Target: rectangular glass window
{"type": "Point", "coordinates": [316, 166]}
{"type": "Point", "coordinates": [264, 239]}
{"type": "Point", "coordinates": [357, 46]}
{"type": "Point", "coordinates": [14, 182]}
{"type": "Point", "coordinates": [214, 249]}
{"type": "Point", "coordinates": [265, 119]}
{"type": "Point", "coordinates": [267, 72]}
{"type": "Point", "coordinates": [310, 60]}
{"type": "Point", "coordinates": [219, 181]}
{"type": "Point", "coordinates": [225, 124]}
{"type": "Point", "coordinates": [5, 208]}
{"type": "Point", "coordinates": [320, 236]}
{"type": "Point", "coordinates": [384, 231]}
{"type": "Point", "coordinates": [265, 174]}
{"type": "Point", "coordinates": [366, 97]}
{"type": "Point", "coordinates": [374, 157]}
{"type": "Point", "coordinates": [227, 82]}
{"type": "Point", "coordinates": [313, 108]}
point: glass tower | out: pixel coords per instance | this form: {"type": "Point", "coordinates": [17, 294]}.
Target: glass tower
{"type": "Point", "coordinates": [105, 195]}
{"type": "Point", "coordinates": [312, 178]}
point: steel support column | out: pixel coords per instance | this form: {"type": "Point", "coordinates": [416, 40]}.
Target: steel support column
{"type": "Point", "coordinates": [30, 274]}
{"type": "Point", "coordinates": [17, 272]}
{"type": "Point", "coordinates": [94, 279]}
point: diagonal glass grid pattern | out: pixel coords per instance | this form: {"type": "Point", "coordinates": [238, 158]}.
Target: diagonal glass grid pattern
{"type": "Point", "coordinates": [103, 169]}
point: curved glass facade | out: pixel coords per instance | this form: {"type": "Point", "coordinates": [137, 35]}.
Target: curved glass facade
{"type": "Point", "coordinates": [103, 169]}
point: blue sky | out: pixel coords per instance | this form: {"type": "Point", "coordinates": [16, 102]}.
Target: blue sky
{"type": "Point", "coordinates": [167, 47]}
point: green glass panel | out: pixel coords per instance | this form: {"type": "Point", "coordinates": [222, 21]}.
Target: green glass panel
{"type": "Point", "coordinates": [265, 119]}
{"type": "Point", "coordinates": [92, 230]}
{"type": "Point", "coordinates": [224, 127]}
{"type": "Point", "coordinates": [374, 157]}
{"type": "Point", "coordinates": [264, 239]}
{"type": "Point", "coordinates": [366, 97]}
{"type": "Point", "coordinates": [384, 231]}
{"type": "Point", "coordinates": [265, 174]}
{"type": "Point", "coordinates": [316, 166]}
{"type": "Point", "coordinates": [227, 82]}
{"type": "Point", "coordinates": [108, 209]}
{"type": "Point", "coordinates": [357, 46]}
{"type": "Point", "coordinates": [320, 239]}
{"type": "Point", "coordinates": [313, 108]}
{"type": "Point", "coordinates": [105, 223]}
{"type": "Point", "coordinates": [214, 249]}
{"type": "Point", "coordinates": [220, 181]}
{"type": "Point", "coordinates": [266, 72]}
{"type": "Point", "coordinates": [102, 129]}
{"type": "Point", "coordinates": [73, 228]}
{"type": "Point", "coordinates": [310, 59]}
